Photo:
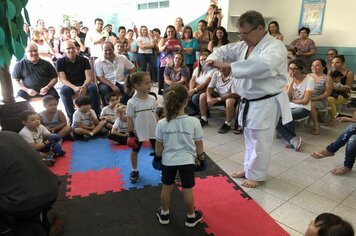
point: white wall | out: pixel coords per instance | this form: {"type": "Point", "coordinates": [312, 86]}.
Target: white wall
{"type": "Point", "coordinates": [338, 28]}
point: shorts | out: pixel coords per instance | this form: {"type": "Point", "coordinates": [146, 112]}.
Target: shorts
{"type": "Point", "coordinates": [186, 173]}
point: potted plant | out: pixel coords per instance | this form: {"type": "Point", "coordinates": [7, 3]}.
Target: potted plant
{"type": "Point", "coordinates": [13, 40]}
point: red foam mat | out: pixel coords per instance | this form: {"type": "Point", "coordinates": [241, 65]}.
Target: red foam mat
{"type": "Point", "coordinates": [226, 212]}
{"type": "Point", "coordinates": [94, 182]}
{"type": "Point", "coordinates": [62, 163]}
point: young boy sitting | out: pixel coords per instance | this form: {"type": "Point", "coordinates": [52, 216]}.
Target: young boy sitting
{"type": "Point", "coordinates": [85, 122]}
{"type": "Point", "coordinates": [108, 114]}
{"type": "Point", "coordinates": [40, 138]}
{"type": "Point", "coordinates": [53, 119]}
{"type": "Point", "coordinates": [119, 130]}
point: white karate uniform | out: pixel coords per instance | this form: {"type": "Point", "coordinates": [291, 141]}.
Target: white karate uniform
{"type": "Point", "coordinates": [263, 73]}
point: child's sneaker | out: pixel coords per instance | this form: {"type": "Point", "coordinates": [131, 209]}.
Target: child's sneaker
{"type": "Point", "coordinates": [134, 177]}
{"type": "Point", "coordinates": [49, 160]}
{"type": "Point", "coordinates": [163, 219]}
{"type": "Point", "coordinates": [86, 137]}
{"type": "Point", "coordinates": [191, 222]}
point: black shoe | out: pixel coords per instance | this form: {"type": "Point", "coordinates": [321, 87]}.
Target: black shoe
{"type": "Point", "coordinates": [134, 177]}
{"type": "Point", "coordinates": [163, 219]}
{"type": "Point", "coordinates": [203, 122]}
{"type": "Point", "coordinates": [86, 137]}
{"type": "Point", "coordinates": [49, 160]}
{"type": "Point", "coordinates": [191, 222]}
{"type": "Point", "coordinates": [224, 128]}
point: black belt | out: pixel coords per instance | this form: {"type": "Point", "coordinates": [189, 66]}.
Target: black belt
{"type": "Point", "coordinates": [245, 102]}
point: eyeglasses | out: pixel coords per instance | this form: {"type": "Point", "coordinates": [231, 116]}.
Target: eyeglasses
{"type": "Point", "coordinates": [245, 34]}
{"type": "Point", "coordinates": [73, 48]}
{"type": "Point", "coordinates": [293, 68]}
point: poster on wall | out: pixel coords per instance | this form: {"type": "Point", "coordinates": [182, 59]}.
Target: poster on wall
{"type": "Point", "coordinates": [312, 15]}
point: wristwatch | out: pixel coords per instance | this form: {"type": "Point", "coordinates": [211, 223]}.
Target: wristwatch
{"type": "Point", "coordinates": [219, 98]}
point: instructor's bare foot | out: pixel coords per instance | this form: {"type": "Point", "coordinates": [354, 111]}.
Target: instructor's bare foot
{"type": "Point", "coordinates": [238, 174]}
{"type": "Point", "coordinates": [251, 183]}
{"type": "Point", "coordinates": [340, 170]}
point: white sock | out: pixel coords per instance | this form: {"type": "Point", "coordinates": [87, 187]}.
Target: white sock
{"type": "Point", "coordinates": [164, 212]}
{"type": "Point", "coordinates": [228, 123]}
{"type": "Point", "coordinates": [204, 118]}
{"type": "Point", "coordinates": [192, 215]}
{"type": "Point", "coordinates": [136, 170]}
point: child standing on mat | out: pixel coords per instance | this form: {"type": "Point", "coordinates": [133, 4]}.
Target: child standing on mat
{"type": "Point", "coordinates": [85, 122]}
{"type": "Point", "coordinates": [141, 117]}
{"type": "Point", "coordinates": [179, 140]}
{"type": "Point", "coordinates": [119, 130]}
{"type": "Point", "coordinates": [53, 119]}
{"type": "Point", "coordinates": [108, 113]}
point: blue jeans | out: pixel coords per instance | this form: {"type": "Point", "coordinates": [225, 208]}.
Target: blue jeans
{"type": "Point", "coordinates": [104, 90]}
{"type": "Point", "coordinates": [287, 131]}
{"type": "Point", "coordinates": [348, 137]}
{"type": "Point", "coordinates": [66, 96]}
{"type": "Point", "coordinates": [143, 59]}
{"type": "Point", "coordinates": [192, 107]}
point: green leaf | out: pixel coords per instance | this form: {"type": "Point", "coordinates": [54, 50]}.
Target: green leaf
{"type": "Point", "coordinates": [23, 38]}
{"type": "Point", "coordinates": [23, 3]}
{"type": "Point", "coordinates": [10, 10]}
{"type": "Point", "coordinates": [18, 49]}
{"type": "Point", "coordinates": [13, 29]}
{"type": "Point", "coordinates": [5, 54]}
{"type": "Point", "coordinates": [2, 37]}
{"type": "Point", "coordinates": [2, 11]}
{"type": "Point", "coordinates": [18, 7]}
{"type": "Point", "coordinates": [27, 17]}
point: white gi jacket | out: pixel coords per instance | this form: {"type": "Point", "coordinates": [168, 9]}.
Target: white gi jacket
{"type": "Point", "coordinates": [263, 73]}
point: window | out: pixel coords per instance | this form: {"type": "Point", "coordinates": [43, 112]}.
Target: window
{"type": "Point", "coordinates": [153, 5]}
{"type": "Point", "coordinates": [164, 4]}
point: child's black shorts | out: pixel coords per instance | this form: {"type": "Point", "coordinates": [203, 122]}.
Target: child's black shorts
{"type": "Point", "coordinates": [186, 173]}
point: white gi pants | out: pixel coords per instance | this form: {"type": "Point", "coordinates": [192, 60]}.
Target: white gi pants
{"type": "Point", "coordinates": [259, 146]}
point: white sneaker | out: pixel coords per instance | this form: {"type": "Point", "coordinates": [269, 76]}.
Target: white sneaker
{"type": "Point", "coordinates": [296, 142]}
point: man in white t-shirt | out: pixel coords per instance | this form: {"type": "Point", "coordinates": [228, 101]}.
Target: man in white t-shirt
{"type": "Point", "coordinates": [95, 38]}
{"type": "Point", "coordinates": [110, 70]}
{"type": "Point", "coordinates": [219, 92]}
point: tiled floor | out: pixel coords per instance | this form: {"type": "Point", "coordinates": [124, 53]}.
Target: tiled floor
{"type": "Point", "coordinates": [298, 187]}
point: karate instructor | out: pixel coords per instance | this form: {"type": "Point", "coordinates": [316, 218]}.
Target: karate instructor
{"type": "Point", "coordinates": [259, 64]}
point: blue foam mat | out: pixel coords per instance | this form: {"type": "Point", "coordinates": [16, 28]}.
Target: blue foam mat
{"type": "Point", "coordinates": [95, 154]}
{"type": "Point", "coordinates": [148, 175]}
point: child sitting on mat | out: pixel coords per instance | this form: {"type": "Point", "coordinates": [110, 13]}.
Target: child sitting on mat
{"type": "Point", "coordinates": [119, 129]}
{"type": "Point", "coordinates": [179, 140]}
{"type": "Point", "coordinates": [108, 113]}
{"type": "Point", "coordinates": [85, 122]}
{"type": "Point", "coordinates": [53, 119]}
{"type": "Point", "coordinates": [40, 138]}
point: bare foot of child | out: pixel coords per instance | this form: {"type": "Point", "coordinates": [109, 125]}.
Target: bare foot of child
{"type": "Point", "coordinates": [251, 183]}
{"type": "Point", "coordinates": [238, 174]}
{"type": "Point", "coordinates": [322, 154]}
{"type": "Point", "coordinates": [340, 170]}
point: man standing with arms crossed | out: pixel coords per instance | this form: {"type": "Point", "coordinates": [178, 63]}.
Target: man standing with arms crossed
{"type": "Point", "coordinates": [259, 64]}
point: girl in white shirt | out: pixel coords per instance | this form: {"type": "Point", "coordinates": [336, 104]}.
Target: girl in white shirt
{"type": "Point", "coordinates": [141, 117]}
{"type": "Point", "coordinates": [179, 140]}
